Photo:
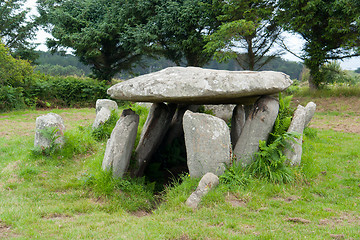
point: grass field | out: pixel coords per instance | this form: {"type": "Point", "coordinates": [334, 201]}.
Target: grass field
{"type": "Point", "coordinates": [47, 198]}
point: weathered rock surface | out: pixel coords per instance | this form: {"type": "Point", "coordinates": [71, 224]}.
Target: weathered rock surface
{"type": "Point", "coordinates": [257, 128]}
{"type": "Point", "coordinates": [101, 117]}
{"type": "Point", "coordinates": [107, 103]}
{"type": "Point", "coordinates": [310, 109]}
{"type": "Point", "coordinates": [121, 143]}
{"type": "Point", "coordinates": [297, 125]}
{"type": "Point", "coordinates": [49, 121]}
{"type": "Point", "coordinates": [207, 182]}
{"type": "Point", "coordinates": [237, 123]}
{"type": "Point", "coordinates": [207, 140]}
{"type": "Point", "coordinates": [176, 126]}
{"type": "Point", "coordinates": [154, 130]}
{"type": "Point", "coordinates": [192, 85]}
{"type": "Point", "coordinates": [223, 111]}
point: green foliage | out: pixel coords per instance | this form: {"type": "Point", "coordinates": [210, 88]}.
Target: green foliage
{"type": "Point", "coordinates": [270, 162]}
{"type": "Point", "coordinates": [333, 74]}
{"type": "Point", "coordinates": [104, 131]}
{"type": "Point", "coordinates": [179, 27]}
{"type": "Point", "coordinates": [57, 70]}
{"type": "Point", "coordinates": [67, 91]}
{"type": "Point", "coordinates": [14, 72]}
{"type": "Point", "coordinates": [133, 194]}
{"type": "Point", "coordinates": [330, 29]}
{"type": "Point", "coordinates": [246, 25]}
{"type": "Point", "coordinates": [77, 142]}
{"type": "Point", "coordinates": [11, 98]}
{"type": "Point", "coordinates": [51, 134]}
{"type": "Point", "coordinates": [17, 28]}
{"type": "Point", "coordinates": [283, 119]}
{"type": "Point", "coordinates": [109, 36]}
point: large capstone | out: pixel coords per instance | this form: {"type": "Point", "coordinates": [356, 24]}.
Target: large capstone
{"type": "Point", "coordinates": [107, 103]}
{"type": "Point", "coordinates": [192, 85]}
{"type": "Point", "coordinates": [121, 143]}
{"type": "Point", "coordinates": [207, 140]}
{"type": "Point", "coordinates": [297, 125]}
{"type": "Point", "coordinates": [258, 126]}
{"type": "Point", "coordinates": [50, 130]}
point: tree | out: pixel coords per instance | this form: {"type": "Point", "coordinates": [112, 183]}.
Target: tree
{"type": "Point", "coordinates": [108, 35]}
{"type": "Point", "coordinates": [14, 72]}
{"type": "Point", "coordinates": [331, 29]}
{"type": "Point", "coordinates": [247, 26]}
{"type": "Point", "coordinates": [16, 30]}
{"type": "Point", "coordinates": [179, 27]}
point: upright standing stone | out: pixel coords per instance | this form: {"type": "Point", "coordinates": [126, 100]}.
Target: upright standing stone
{"type": "Point", "coordinates": [101, 117]}
{"type": "Point", "coordinates": [154, 130]}
{"type": "Point", "coordinates": [310, 111]}
{"type": "Point", "coordinates": [176, 126]}
{"type": "Point", "coordinates": [237, 123]}
{"type": "Point", "coordinates": [121, 143]}
{"type": "Point", "coordinates": [107, 103]}
{"type": "Point", "coordinates": [50, 121]}
{"type": "Point", "coordinates": [207, 182]}
{"type": "Point", "coordinates": [297, 125]}
{"type": "Point", "coordinates": [207, 140]}
{"type": "Point", "coordinates": [258, 126]}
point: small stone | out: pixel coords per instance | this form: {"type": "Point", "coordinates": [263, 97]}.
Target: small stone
{"type": "Point", "coordinates": [310, 109]}
{"type": "Point", "coordinates": [107, 103]}
{"type": "Point", "coordinates": [48, 121]}
{"type": "Point", "coordinates": [207, 182]}
{"type": "Point", "coordinates": [101, 117]}
{"type": "Point", "coordinates": [297, 125]}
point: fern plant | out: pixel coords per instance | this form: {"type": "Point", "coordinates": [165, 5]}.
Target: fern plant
{"type": "Point", "coordinates": [283, 119]}
{"type": "Point", "coordinates": [270, 161]}
{"type": "Point", "coordinates": [51, 135]}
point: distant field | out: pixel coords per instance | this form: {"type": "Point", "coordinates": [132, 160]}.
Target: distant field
{"type": "Point", "coordinates": [47, 198]}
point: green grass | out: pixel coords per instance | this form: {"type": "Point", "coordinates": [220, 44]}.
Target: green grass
{"type": "Point", "coordinates": [50, 198]}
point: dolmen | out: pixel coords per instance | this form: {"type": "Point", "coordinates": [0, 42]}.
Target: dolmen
{"type": "Point", "coordinates": [176, 91]}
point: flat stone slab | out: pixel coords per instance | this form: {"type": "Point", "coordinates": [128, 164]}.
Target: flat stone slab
{"type": "Point", "coordinates": [193, 85]}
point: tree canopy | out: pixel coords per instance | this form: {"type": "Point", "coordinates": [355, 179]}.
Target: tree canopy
{"type": "Point", "coordinates": [247, 33]}
{"type": "Point", "coordinates": [17, 29]}
{"type": "Point", "coordinates": [179, 27]}
{"type": "Point", "coordinates": [110, 36]}
{"type": "Point", "coordinates": [331, 29]}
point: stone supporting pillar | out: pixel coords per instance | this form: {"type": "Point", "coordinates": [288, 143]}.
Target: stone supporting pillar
{"type": "Point", "coordinates": [258, 126]}
{"type": "Point", "coordinates": [154, 130]}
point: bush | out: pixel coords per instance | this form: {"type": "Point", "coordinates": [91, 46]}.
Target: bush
{"type": "Point", "coordinates": [14, 72]}
{"type": "Point", "coordinates": [68, 91]}
{"type": "Point", "coordinates": [11, 98]}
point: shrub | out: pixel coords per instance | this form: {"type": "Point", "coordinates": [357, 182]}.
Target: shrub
{"type": "Point", "coordinates": [14, 72]}
{"type": "Point", "coordinates": [11, 98]}
{"type": "Point", "coordinates": [68, 91]}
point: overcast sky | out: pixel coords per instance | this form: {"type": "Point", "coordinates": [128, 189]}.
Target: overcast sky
{"type": "Point", "coordinates": [293, 42]}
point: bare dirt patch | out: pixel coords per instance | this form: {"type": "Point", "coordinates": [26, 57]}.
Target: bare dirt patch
{"type": "Point", "coordinates": [337, 113]}
{"type": "Point", "coordinates": [234, 201]}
